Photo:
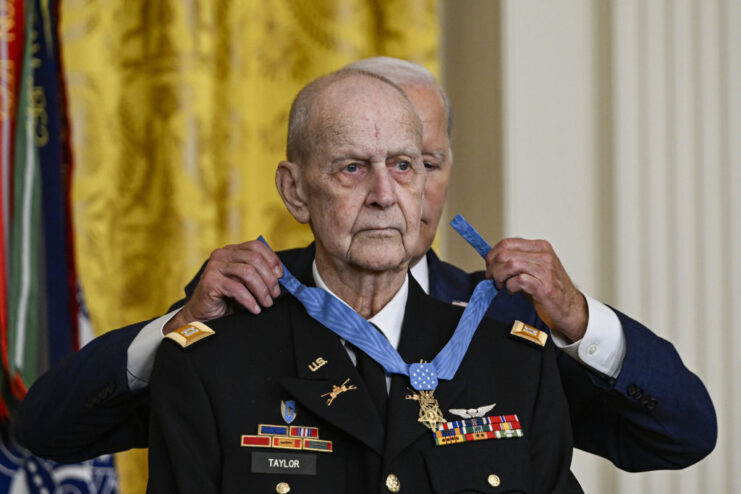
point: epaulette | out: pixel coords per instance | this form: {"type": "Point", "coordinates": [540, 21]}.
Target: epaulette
{"type": "Point", "coordinates": [529, 333]}
{"type": "Point", "coordinates": [189, 334]}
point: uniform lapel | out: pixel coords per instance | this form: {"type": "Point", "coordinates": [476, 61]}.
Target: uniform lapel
{"type": "Point", "coordinates": [352, 410]}
{"type": "Point", "coordinates": [424, 332]}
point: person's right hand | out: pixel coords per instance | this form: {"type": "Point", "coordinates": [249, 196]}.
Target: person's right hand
{"type": "Point", "coordinates": [246, 274]}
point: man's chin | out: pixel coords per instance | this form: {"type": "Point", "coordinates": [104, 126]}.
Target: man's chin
{"type": "Point", "coordinates": [379, 258]}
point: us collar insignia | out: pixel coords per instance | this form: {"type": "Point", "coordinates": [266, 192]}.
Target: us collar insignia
{"type": "Point", "coordinates": [288, 411]}
{"type": "Point", "coordinates": [337, 390]}
{"type": "Point", "coordinates": [316, 364]}
{"type": "Point", "coordinates": [478, 429]}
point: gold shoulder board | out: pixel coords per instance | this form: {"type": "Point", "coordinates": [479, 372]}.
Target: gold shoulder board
{"type": "Point", "coordinates": [187, 335]}
{"type": "Point", "coordinates": [529, 333]}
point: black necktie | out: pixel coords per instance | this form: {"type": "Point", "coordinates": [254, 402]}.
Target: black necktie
{"type": "Point", "coordinates": [374, 377]}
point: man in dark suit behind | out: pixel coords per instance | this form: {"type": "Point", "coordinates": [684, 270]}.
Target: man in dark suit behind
{"type": "Point", "coordinates": [355, 174]}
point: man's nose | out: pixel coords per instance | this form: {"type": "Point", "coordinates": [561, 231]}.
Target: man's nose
{"type": "Point", "coordinates": [382, 191]}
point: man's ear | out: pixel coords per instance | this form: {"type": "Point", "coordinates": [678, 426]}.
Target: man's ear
{"type": "Point", "coordinates": [290, 187]}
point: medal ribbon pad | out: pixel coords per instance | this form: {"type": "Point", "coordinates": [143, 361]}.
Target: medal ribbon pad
{"type": "Point", "coordinates": [286, 437]}
{"type": "Point", "coordinates": [478, 429]}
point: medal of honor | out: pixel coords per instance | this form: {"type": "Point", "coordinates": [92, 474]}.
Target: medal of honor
{"type": "Point", "coordinates": [429, 409]}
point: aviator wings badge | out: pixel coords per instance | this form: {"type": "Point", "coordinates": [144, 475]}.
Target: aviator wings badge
{"type": "Point", "coordinates": [469, 413]}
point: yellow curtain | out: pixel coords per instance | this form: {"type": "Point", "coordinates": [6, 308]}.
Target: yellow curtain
{"type": "Point", "coordinates": [178, 111]}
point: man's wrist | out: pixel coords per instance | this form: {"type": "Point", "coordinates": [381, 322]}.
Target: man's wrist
{"type": "Point", "coordinates": [141, 351]}
{"type": "Point", "coordinates": [603, 346]}
{"type": "Point", "coordinates": [177, 321]}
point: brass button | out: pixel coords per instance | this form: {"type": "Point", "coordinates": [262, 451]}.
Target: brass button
{"type": "Point", "coordinates": [392, 483]}
{"type": "Point", "coordinates": [494, 480]}
{"type": "Point", "coordinates": [283, 488]}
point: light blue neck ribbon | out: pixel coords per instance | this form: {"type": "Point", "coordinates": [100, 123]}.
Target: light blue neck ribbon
{"type": "Point", "coordinates": [352, 327]}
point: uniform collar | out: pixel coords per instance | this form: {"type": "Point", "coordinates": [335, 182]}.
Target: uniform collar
{"type": "Point", "coordinates": [389, 319]}
{"type": "Point", "coordinates": [421, 273]}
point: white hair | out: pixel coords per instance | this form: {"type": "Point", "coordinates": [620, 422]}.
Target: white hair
{"type": "Point", "coordinates": [403, 73]}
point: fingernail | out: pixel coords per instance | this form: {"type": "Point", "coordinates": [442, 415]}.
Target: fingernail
{"type": "Point", "coordinates": [277, 271]}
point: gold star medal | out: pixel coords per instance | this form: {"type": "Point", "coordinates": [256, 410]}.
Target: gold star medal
{"type": "Point", "coordinates": [424, 379]}
{"type": "Point", "coordinates": [429, 409]}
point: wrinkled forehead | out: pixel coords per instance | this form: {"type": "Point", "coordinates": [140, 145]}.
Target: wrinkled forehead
{"type": "Point", "coordinates": [363, 111]}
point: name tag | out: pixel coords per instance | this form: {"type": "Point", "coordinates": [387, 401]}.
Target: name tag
{"type": "Point", "coordinates": [284, 463]}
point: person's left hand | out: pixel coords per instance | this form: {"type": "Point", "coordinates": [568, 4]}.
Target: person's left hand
{"type": "Point", "coordinates": [532, 267]}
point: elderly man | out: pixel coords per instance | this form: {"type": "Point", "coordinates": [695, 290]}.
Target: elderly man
{"type": "Point", "coordinates": [631, 398]}
{"type": "Point", "coordinates": [639, 407]}
{"type": "Point", "coordinates": [226, 404]}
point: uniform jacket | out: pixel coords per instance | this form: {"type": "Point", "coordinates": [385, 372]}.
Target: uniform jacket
{"type": "Point", "coordinates": [206, 396]}
{"type": "Point", "coordinates": [656, 415]}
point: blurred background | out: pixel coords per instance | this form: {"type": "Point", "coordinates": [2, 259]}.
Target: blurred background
{"type": "Point", "coordinates": [608, 127]}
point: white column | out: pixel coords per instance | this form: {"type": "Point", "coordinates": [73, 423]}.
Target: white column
{"type": "Point", "coordinates": [550, 144]}
{"type": "Point", "coordinates": [673, 192]}
{"type": "Point", "coordinates": [621, 145]}
{"type": "Point", "coordinates": [732, 48]}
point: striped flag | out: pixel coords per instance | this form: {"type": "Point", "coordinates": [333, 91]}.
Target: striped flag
{"type": "Point", "coordinates": [42, 280]}
{"type": "Point", "coordinates": [38, 288]}
{"type": "Point", "coordinates": [27, 315]}
{"type": "Point", "coordinates": [11, 51]}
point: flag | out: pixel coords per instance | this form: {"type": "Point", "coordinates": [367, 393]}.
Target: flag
{"type": "Point", "coordinates": [23, 473]}
{"type": "Point", "coordinates": [11, 50]}
{"type": "Point", "coordinates": [39, 298]}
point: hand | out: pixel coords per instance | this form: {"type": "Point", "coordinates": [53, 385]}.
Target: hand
{"type": "Point", "coordinates": [532, 267]}
{"type": "Point", "coordinates": [245, 273]}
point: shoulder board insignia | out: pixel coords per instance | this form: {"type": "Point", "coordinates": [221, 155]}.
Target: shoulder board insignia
{"type": "Point", "coordinates": [187, 335]}
{"type": "Point", "coordinates": [529, 333]}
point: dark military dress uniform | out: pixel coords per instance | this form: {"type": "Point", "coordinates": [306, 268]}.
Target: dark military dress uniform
{"type": "Point", "coordinates": [209, 395]}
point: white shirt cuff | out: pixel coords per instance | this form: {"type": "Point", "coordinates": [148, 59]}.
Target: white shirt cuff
{"type": "Point", "coordinates": [141, 352]}
{"type": "Point", "coordinates": [603, 346]}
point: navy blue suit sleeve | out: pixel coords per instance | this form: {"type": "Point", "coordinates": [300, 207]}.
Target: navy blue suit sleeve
{"type": "Point", "coordinates": [656, 415]}
{"type": "Point", "coordinates": [82, 407]}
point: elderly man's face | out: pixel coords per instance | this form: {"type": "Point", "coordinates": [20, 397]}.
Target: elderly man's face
{"type": "Point", "coordinates": [437, 159]}
{"type": "Point", "coordinates": [365, 183]}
